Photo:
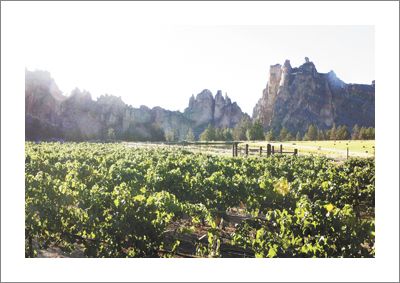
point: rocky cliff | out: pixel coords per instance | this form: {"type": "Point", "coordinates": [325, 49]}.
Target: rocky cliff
{"type": "Point", "coordinates": [49, 114]}
{"type": "Point", "coordinates": [219, 111]}
{"type": "Point", "coordinates": [297, 97]}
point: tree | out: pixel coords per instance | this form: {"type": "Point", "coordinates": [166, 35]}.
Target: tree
{"type": "Point", "coordinates": [270, 136]}
{"type": "Point", "coordinates": [171, 136]}
{"type": "Point", "coordinates": [190, 135]}
{"type": "Point", "coordinates": [342, 133]}
{"type": "Point", "coordinates": [367, 133]}
{"type": "Point", "coordinates": [289, 137]}
{"type": "Point", "coordinates": [239, 132]}
{"type": "Point", "coordinates": [321, 135]}
{"type": "Point", "coordinates": [355, 132]}
{"type": "Point", "coordinates": [312, 133]}
{"type": "Point", "coordinates": [283, 134]}
{"type": "Point", "coordinates": [371, 133]}
{"type": "Point", "coordinates": [332, 133]}
{"type": "Point", "coordinates": [363, 133]}
{"type": "Point", "coordinates": [223, 134]}
{"type": "Point", "coordinates": [298, 136]}
{"type": "Point", "coordinates": [255, 132]}
{"type": "Point", "coordinates": [156, 133]}
{"type": "Point", "coordinates": [208, 134]}
{"type": "Point", "coordinates": [111, 134]}
{"type": "Point", "coordinates": [328, 134]}
{"type": "Point", "coordinates": [228, 134]}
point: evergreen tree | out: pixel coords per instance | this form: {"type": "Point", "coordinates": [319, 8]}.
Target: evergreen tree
{"type": "Point", "coordinates": [328, 134]}
{"type": "Point", "coordinates": [371, 133]}
{"type": "Point", "coordinates": [355, 133]}
{"type": "Point", "coordinates": [367, 133]}
{"type": "Point", "coordinates": [283, 134]}
{"type": "Point", "coordinates": [156, 133]}
{"type": "Point", "coordinates": [208, 134]}
{"type": "Point", "coordinates": [270, 136]}
{"type": "Point", "coordinates": [256, 132]}
{"type": "Point", "coordinates": [289, 137]}
{"type": "Point", "coordinates": [111, 134]}
{"type": "Point", "coordinates": [219, 134]}
{"type": "Point", "coordinates": [312, 133]}
{"type": "Point", "coordinates": [228, 134]}
{"type": "Point", "coordinates": [298, 136]}
{"type": "Point", "coordinates": [321, 135]}
{"type": "Point", "coordinates": [363, 133]}
{"type": "Point", "coordinates": [249, 134]}
{"type": "Point", "coordinates": [239, 132]}
{"type": "Point", "coordinates": [332, 133]}
{"type": "Point", "coordinates": [190, 135]}
{"type": "Point", "coordinates": [171, 136]}
{"type": "Point", "coordinates": [342, 133]}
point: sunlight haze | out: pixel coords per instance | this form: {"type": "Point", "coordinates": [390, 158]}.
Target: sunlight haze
{"type": "Point", "coordinates": [163, 65]}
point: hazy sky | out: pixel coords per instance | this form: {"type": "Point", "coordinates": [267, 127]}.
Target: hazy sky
{"type": "Point", "coordinates": [163, 65]}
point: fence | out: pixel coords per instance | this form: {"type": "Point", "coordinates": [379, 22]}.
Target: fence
{"type": "Point", "coordinates": [237, 148]}
{"type": "Point", "coordinates": [247, 150]}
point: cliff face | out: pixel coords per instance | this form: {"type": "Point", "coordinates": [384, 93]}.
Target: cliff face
{"type": "Point", "coordinates": [297, 97]}
{"type": "Point", "coordinates": [42, 105]}
{"type": "Point", "coordinates": [49, 114]}
{"type": "Point", "coordinates": [42, 96]}
{"type": "Point", "coordinates": [218, 111]}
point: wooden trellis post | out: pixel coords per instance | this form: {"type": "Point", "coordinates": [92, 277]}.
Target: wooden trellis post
{"type": "Point", "coordinates": [247, 149]}
{"type": "Point", "coordinates": [260, 150]}
{"type": "Point", "coordinates": [268, 150]}
{"type": "Point", "coordinates": [280, 149]}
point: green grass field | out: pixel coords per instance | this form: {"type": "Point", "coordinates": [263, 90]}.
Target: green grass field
{"type": "Point", "coordinates": [356, 145]}
{"type": "Point", "coordinates": [336, 149]}
{"type": "Point", "coordinates": [333, 149]}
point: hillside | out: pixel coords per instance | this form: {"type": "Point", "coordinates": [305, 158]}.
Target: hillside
{"type": "Point", "coordinates": [297, 97]}
{"type": "Point", "coordinates": [51, 115]}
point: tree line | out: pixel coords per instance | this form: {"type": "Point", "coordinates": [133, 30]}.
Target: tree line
{"type": "Point", "coordinates": [252, 131]}
{"type": "Point", "coordinates": [246, 129]}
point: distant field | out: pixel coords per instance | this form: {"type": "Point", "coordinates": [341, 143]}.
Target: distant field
{"type": "Point", "coordinates": [336, 150]}
{"type": "Point", "coordinates": [359, 148]}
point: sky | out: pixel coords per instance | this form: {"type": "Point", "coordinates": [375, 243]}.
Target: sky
{"type": "Point", "coordinates": [163, 64]}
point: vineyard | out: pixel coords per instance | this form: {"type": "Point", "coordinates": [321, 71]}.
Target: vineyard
{"type": "Point", "coordinates": [110, 200]}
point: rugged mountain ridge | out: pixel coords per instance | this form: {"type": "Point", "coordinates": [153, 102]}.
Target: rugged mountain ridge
{"type": "Point", "coordinates": [49, 114]}
{"type": "Point", "coordinates": [294, 98]}
{"type": "Point", "coordinates": [219, 111]}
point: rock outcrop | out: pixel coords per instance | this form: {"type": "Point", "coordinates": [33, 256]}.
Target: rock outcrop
{"type": "Point", "coordinates": [218, 111]}
{"type": "Point", "coordinates": [297, 97]}
{"type": "Point", "coordinates": [49, 114]}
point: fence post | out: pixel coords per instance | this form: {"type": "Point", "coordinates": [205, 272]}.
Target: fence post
{"type": "Point", "coordinates": [260, 150]}
{"type": "Point", "coordinates": [273, 149]}
{"type": "Point", "coordinates": [268, 150]}
{"type": "Point", "coordinates": [236, 149]}
{"type": "Point", "coordinates": [247, 149]}
{"type": "Point", "coordinates": [295, 151]}
{"type": "Point", "coordinates": [233, 150]}
{"type": "Point", "coordinates": [280, 149]}
{"type": "Point", "coordinates": [347, 153]}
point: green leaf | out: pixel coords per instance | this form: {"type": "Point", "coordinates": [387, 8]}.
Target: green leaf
{"type": "Point", "coordinates": [272, 252]}
{"type": "Point", "coordinates": [329, 207]}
